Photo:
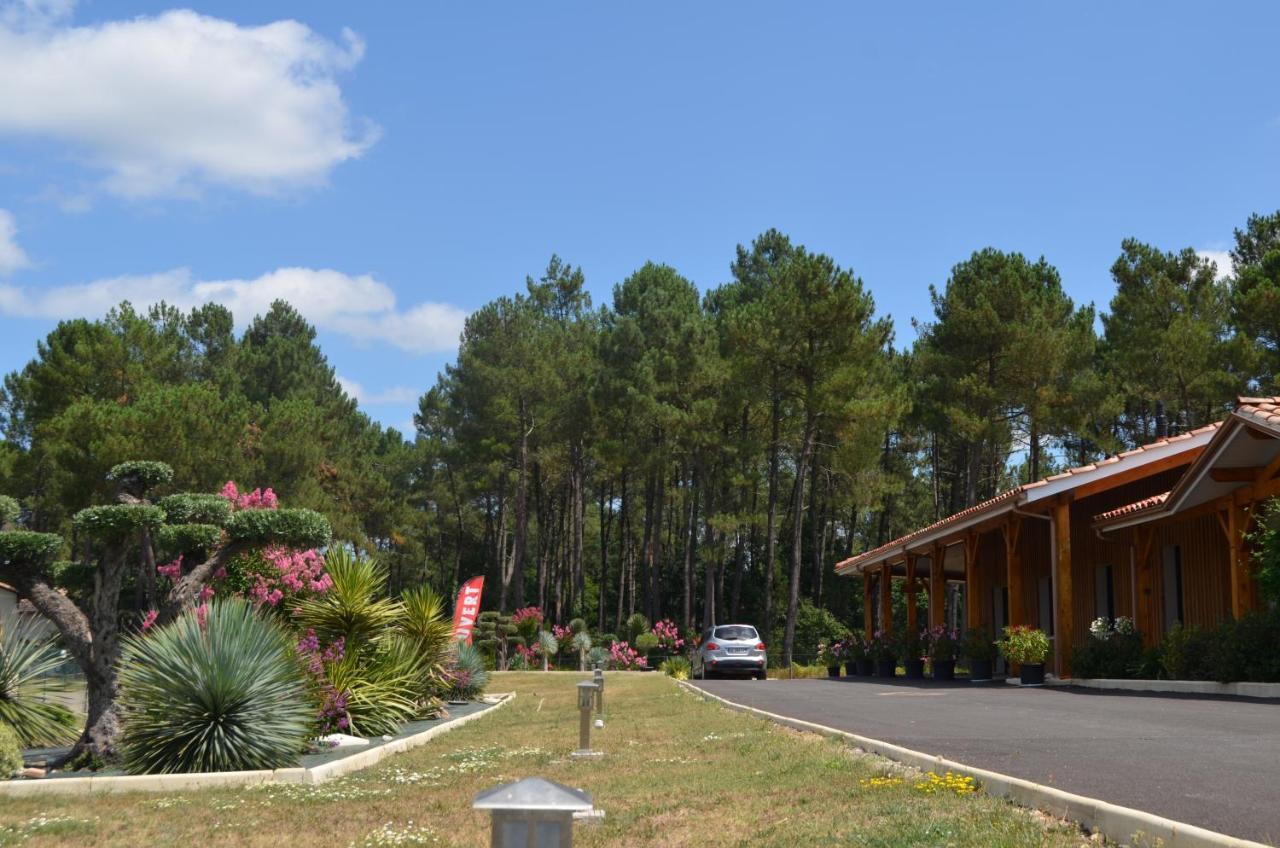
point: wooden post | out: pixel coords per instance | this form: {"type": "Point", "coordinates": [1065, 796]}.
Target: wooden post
{"type": "Point", "coordinates": [937, 588]}
{"type": "Point", "coordinates": [1064, 624]}
{"type": "Point", "coordinates": [868, 611]}
{"type": "Point", "coordinates": [886, 598]}
{"type": "Point", "coordinates": [972, 592]}
{"type": "Point", "coordinates": [1013, 570]}
{"type": "Point", "coordinates": [909, 589]}
{"type": "Point", "coordinates": [1238, 519]}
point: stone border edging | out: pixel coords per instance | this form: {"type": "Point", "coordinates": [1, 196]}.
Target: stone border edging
{"type": "Point", "coordinates": [1181, 687]}
{"type": "Point", "coordinates": [1115, 822]}
{"type": "Point", "coordinates": [229, 779]}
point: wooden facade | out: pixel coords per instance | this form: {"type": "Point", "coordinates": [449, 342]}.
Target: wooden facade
{"type": "Point", "coordinates": [1156, 534]}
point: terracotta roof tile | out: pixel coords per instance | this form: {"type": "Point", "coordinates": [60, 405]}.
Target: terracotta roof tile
{"type": "Point", "coordinates": [1012, 494]}
{"type": "Point", "coordinates": [1133, 508]}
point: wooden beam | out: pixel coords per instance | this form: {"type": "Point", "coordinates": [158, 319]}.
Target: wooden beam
{"type": "Point", "coordinates": [1145, 602]}
{"type": "Point", "coordinates": [910, 589]}
{"type": "Point", "coordinates": [1239, 517]}
{"type": "Point", "coordinates": [1234, 475]}
{"type": "Point", "coordinates": [868, 611]}
{"type": "Point", "coordinates": [937, 587]}
{"type": "Point", "coordinates": [1013, 569]}
{"type": "Point", "coordinates": [1064, 622]}
{"type": "Point", "coordinates": [1140, 472]}
{"type": "Point", "coordinates": [972, 591]}
{"type": "Point", "coordinates": [886, 599]}
{"type": "Point", "coordinates": [1273, 467]}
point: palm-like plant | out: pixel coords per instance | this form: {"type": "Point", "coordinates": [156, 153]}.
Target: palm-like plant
{"type": "Point", "coordinates": [27, 656]}
{"type": "Point", "coordinates": [220, 694]}
{"type": "Point", "coordinates": [547, 647]}
{"type": "Point", "coordinates": [582, 644]}
{"type": "Point", "coordinates": [429, 626]}
{"type": "Point", "coordinates": [382, 682]}
{"type": "Point", "coordinates": [353, 609]}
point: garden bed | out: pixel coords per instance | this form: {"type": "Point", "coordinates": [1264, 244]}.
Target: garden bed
{"type": "Point", "coordinates": [311, 768]}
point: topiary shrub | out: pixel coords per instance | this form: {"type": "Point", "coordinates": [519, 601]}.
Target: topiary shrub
{"type": "Point", "coordinates": [141, 474]}
{"type": "Point", "coordinates": [216, 690]}
{"type": "Point", "coordinates": [646, 643]}
{"type": "Point", "coordinates": [195, 508]}
{"type": "Point", "coordinates": [10, 751]}
{"type": "Point", "coordinates": [294, 528]}
{"type": "Point", "coordinates": [25, 550]}
{"type": "Point", "coordinates": [175, 539]}
{"type": "Point", "coordinates": [115, 521]}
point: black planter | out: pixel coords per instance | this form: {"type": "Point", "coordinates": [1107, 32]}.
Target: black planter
{"type": "Point", "coordinates": [979, 669]}
{"type": "Point", "coordinates": [1032, 674]}
{"type": "Point", "coordinates": [886, 668]}
{"type": "Point", "coordinates": [915, 669]}
{"type": "Point", "coordinates": [864, 668]}
{"type": "Point", "coordinates": [944, 669]}
{"type": "Point", "coordinates": [833, 671]}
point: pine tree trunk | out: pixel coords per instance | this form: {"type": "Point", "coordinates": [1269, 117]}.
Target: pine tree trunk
{"type": "Point", "coordinates": [797, 537]}
{"type": "Point", "coordinates": [771, 530]}
{"type": "Point", "coordinates": [522, 515]}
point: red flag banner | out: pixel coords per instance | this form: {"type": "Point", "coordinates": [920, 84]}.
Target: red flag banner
{"type": "Point", "coordinates": [466, 608]}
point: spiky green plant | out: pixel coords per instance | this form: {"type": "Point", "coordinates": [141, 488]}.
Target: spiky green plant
{"type": "Point", "coordinates": [467, 673]}
{"type": "Point", "coordinates": [28, 658]}
{"type": "Point", "coordinates": [598, 656]}
{"type": "Point", "coordinates": [383, 684]}
{"type": "Point", "coordinates": [354, 607]}
{"type": "Point", "coordinates": [10, 751]}
{"type": "Point", "coordinates": [582, 644]}
{"type": "Point", "coordinates": [547, 647]}
{"type": "Point", "coordinates": [677, 667]}
{"type": "Point", "coordinates": [218, 691]}
{"type": "Point", "coordinates": [426, 622]}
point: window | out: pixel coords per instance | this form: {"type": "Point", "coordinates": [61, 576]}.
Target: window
{"type": "Point", "coordinates": [1045, 593]}
{"type": "Point", "coordinates": [1173, 609]}
{"type": "Point", "coordinates": [1104, 603]}
{"type": "Point", "coordinates": [740, 631]}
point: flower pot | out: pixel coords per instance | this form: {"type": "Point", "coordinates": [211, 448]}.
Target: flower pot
{"type": "Point", "coordinates": [864, 668]}
{"type": "Point", "coordinates": [833, 671]}
{"type": "Point", "coordinates": [979, 669]}
{"type": "Point", "coordinates": [1032, 674]}
{"type": "Point", "coordinates": [915, 669]}
{"type": "Point", "coordinates": [886, 668]}
{"type": "Point", "coordinates": [944, 669]}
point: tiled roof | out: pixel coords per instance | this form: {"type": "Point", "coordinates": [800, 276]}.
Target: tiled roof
{"type": "Point", "coordinates": [1013, 494]}
{"type": "Point", "coordinates": [1133, 508]}
{"type": "Point", "coordinates": [1262, 410]}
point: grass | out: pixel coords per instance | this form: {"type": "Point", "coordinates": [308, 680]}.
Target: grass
{"type": "Point", "coordinates": [677, 771]}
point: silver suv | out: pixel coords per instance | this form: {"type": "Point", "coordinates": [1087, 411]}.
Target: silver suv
{"type": "Point", "coordinates": [730, 649]}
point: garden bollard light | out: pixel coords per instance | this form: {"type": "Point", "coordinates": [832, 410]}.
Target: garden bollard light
{"type": "Point", "coordinates": [586, 697]}
{"type": "Point", "coordinates": [534, 813]}
{"type": "Point", "coordinates": [598, 679]}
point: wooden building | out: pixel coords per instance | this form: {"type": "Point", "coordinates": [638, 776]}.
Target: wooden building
{"type": "Point", "coordinates": [1155, 533]}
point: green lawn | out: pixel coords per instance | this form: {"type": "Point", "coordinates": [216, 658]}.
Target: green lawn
{"type": "Point", "coordinates": [677, 771]}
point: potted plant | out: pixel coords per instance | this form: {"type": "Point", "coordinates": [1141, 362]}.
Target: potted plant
{"type": "Point", "coordinates": [855, 661]}
{"type": "Point", "coordinates": [827, 656]}
{"type": "Point", "coordinates": [863, 659]}
{"type": "Point", "coordinates": [881, 651]}
{"type": "Point", "coordinates": [943, 646]}
{"type": "Point", "coordinates": [1028, 647]}
{"type": "Point", "coordinates": [912, 650]}
{"type": "Point", "coordinates": [980, 651]}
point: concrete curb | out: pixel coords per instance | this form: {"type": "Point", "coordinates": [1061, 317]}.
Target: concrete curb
{"type": "Point", "coordinates": [1121, 824]}
{"type": "Point", "coordinates": [229, 779]}
{"type": "Point", "coordinates": [1181, 687]}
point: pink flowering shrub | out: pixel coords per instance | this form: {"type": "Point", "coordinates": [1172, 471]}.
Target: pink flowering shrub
{"type": "Point", "coordinates": [668, 635]}
{"type": "Point", "coordinates": [257, 499]}
{"type": "Point", "coordinates": [527, 614]}
{"type": "Point", "coordinates": [563, 634]}
{"type": "Point", "coordinates": [172, 570]}
{"type": "Point", "coordinates": [149, 620]}
{"type": "Point", "coordinates": [274, 576]}
{"type": "Point", "coordinates": [623, 656]}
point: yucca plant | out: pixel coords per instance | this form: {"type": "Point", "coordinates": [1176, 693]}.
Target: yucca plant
{"type": "Point", "coordinates": [220, 691]}
{"type": "Point", "coordinates": [353, 608]}
{"type": "Point", "coordinates": [582, 643]}
{"type": "Point", "coordinates": [467, 674]}
{"type": "Point", "coordinates": [27, 659]}
{"type": "Point", "coordinates": [382, 682]}
{"type": "Point", "coordinates": [547, 646]}
{"type": "Point", "coordinates": [426, 622]}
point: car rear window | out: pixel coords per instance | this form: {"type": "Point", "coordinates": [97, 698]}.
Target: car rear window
{"type": "Point", "coordinates": [737, 631]}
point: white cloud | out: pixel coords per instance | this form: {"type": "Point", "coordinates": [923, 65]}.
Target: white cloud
{"type": "Point", "coordinates": [12, 256]}
{"type": "Point", "coordinates": [395, 394]}
{"type": "Point", "coordinates": [359, 307]}
{"type": "Point", "coordinates": [1222, 259]}
{"type": "Point", "coordinates": [172, 103]}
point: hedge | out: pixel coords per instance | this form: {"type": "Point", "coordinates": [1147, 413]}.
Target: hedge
{"type": "Point", "coordinates": [112, 521]}
{"type": "Point", "coordinates": [26, 549]}
{"type": "Point", "coordinates": [195, 508]}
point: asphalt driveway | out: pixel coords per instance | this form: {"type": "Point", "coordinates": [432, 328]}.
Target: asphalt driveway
{"type": "Point", "coordinates": [1212, 762]}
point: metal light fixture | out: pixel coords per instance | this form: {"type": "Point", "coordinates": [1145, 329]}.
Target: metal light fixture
{"type": "Point", "coordinates": [586, 699]}
{"type": "Point", "coordinates": [533, 813]}
{"type": "Point", "coordinates": [598, 679]}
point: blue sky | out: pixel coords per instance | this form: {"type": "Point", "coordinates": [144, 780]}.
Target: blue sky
{"type": "Point", "coordinates": [394, 166]}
